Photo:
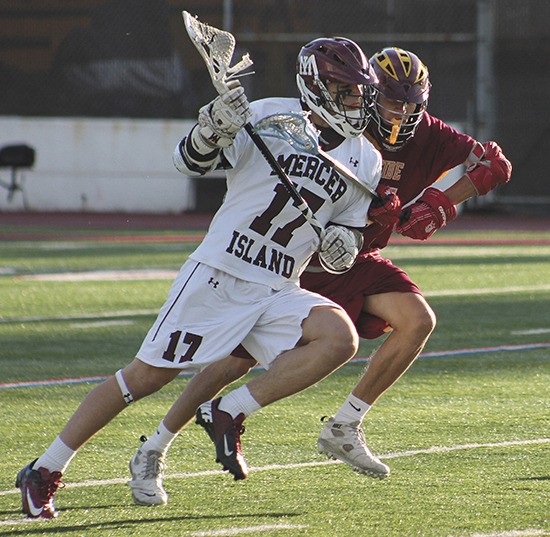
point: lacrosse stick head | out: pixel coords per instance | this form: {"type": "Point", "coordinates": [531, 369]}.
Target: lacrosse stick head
{"type": "Point", "coordinates": [294, 128]}
{"type": "Point", "coordinates": [216, 48]}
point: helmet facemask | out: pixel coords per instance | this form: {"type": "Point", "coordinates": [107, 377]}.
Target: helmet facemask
{"type": "Point", "coordinates": [348, 121]}
{"type": "Point", "coordinates": [338, 61]}
{"type": "Point", "coordinates": [395, 133]}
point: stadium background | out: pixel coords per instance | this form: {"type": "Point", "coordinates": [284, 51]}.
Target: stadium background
{"type": "Point", "coordinates": [488, 63]}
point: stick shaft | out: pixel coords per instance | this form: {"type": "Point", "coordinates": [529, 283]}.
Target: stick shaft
{"type": "Point", "coordinates": [348, 174]}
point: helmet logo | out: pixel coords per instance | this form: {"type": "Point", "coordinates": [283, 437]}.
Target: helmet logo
{"type": "Point", "coordinates": [385, 64]}
{"type": "Point", "coordinates": [405, 60]}
{"type": "Point", "coordinates": [308, 65]}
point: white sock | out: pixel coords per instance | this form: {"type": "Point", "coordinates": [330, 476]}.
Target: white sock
{"type": "Point", "coordinates": [239, 401]}
{"type": "Point", "coordinates": [353, 409]}
{"type": "Point", "coordinates": [160, 440]}
{"type": "Point", "coordinates": [56, 458]}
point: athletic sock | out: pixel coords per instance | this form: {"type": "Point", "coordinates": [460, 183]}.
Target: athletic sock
{"type": "Point", "coordinates": [160, 440]}
{"type": "Point", "coordinates": [56, 458]}
{"type": "Point", "coordinates": [353, 410]}
{"type": "Point", "coordinates": [239, 401]}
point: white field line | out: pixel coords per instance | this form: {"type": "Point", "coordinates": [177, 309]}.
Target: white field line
{"type": "Point", "coordinates": [532, 332]}
{"type": "Point", "coordinates": [271, 467]}
{"type": "Point", "coordinates": [135, 313]}
{"type": "Point", "coordinates": [145, 274]}
{"type": "Point", "coordinates": [18, 521]}
{"type": "Point", "coordinates": [75, 316]}
{"type": "Point", "coordinates": [103, 275]}
{"type": "Point", "coordinates": [246, 529]}
{"type": "Point", "coordinates": [489, 290]}
{"type": "Point", "coordinates": [102, 324]}
{"type": "Point", "coordinates": [512, 533]}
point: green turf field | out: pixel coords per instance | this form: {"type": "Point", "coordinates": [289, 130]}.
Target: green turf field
{"type": "Point", "coordinates": [465, 431]}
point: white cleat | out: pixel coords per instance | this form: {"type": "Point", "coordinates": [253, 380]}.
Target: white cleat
{"type": "Point", "coordinates": [346, 442]}
{"type": "Point", "coordinates": [147, 469]}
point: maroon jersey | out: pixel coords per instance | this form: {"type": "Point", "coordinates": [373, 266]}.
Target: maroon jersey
{"type": "Point", "coordinates": [434, 149]}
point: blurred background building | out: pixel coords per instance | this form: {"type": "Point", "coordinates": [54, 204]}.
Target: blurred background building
{"type": "Point", "coordinates": [105, 88]}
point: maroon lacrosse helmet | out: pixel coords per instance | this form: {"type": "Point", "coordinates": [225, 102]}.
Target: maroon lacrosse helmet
{"type": "Point", "coordinates": [340, 60]}
{"type": "Point", "coordinates": [402, 77]}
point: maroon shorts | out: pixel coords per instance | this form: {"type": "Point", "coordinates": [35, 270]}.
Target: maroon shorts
{"type": "Point", "coordinates": [372, 275]}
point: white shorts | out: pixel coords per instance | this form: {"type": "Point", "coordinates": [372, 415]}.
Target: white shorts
{"type": "Point", "coordinates": [208, 313]}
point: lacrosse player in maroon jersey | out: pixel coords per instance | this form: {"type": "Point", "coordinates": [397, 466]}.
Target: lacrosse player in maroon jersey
{"type": "Point", "coordinates": [417, 150]}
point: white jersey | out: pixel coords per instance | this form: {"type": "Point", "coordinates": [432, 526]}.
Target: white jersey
{"type": "Point", "coordinates": [258, 235]}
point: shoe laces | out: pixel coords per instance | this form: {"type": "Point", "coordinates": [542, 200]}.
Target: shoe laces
{"type": "Point", "coordinates": [239, 429]}
{"type": "Point", "coordinates": [359, 435]}
{"type": "Point", "coordinates": [154, 465]}
{"type": "Point", "coordinates": [47, 486]}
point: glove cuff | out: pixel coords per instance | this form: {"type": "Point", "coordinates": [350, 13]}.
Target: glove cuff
{"type": "Point", "coordinates": [330, 269]}
{"type": "Point", "coordinates": [194, 154]}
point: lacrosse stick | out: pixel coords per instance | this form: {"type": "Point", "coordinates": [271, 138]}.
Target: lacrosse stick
{"type": "Point", "coordinates": [299, 132]}
{"type": "Point", "coordinates": [216, 48]}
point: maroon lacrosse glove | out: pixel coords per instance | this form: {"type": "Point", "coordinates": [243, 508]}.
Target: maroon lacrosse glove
{"type": "Point", "coordinates": [426, 215]}
{"type": "Point", "coordinates": [386, 209]}
{"type": "Point", "coordinates": [492, 170]}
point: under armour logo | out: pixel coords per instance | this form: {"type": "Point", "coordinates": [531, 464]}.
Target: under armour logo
{"type": "Point", "coordinates": [353, 162]}
{"type": "Point", "coordinates": [213, 283]}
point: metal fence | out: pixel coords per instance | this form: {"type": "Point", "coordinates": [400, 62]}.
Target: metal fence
{"type": "Point", "coordinates": [488, 60]}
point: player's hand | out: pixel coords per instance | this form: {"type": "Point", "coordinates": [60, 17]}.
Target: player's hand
{"type": "Point", "coordinates": [426, 215]}
{"type": "Point", "coordinates": [492, 170]}
{"type": "Point", "coordinates": [339, 248]}
{"type": "Point", "coordinates": [221, 119]}
{"type": "Point", "coordinates": [386, 209]}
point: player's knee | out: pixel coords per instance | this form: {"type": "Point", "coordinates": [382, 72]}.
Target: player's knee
{"type": "Point", "coordinates": [347, 347]}
{"type": "Point", "coordinates": [342, 341]}
{"type": "Point", "coordinates": [333, 331]}
{"type": "Point", "coordinates": [412, 316]}
{"type": "Point", "coordinates": [426, 322]}
{"type": "Point", "coordinates": [139, 380]}
{"type": "Point", "coordinates": [422, 323]}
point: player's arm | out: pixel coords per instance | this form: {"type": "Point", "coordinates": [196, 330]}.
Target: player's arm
{"type": "Point", "coordinates": [339, 248]}
{"type": "Point", "coordinates": [218, 123]}
{"type": "Point", "coordinates": [487, 168]}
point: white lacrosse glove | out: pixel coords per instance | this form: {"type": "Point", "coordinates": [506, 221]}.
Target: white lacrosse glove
{"type": "Point", "coordinates": [339, 248]}
{"type": "Point", "coordinates": [220, 120]}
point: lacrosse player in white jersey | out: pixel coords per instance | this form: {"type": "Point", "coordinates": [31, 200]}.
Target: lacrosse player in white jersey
{"type": "Point", "coordinates": [241, 284]}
